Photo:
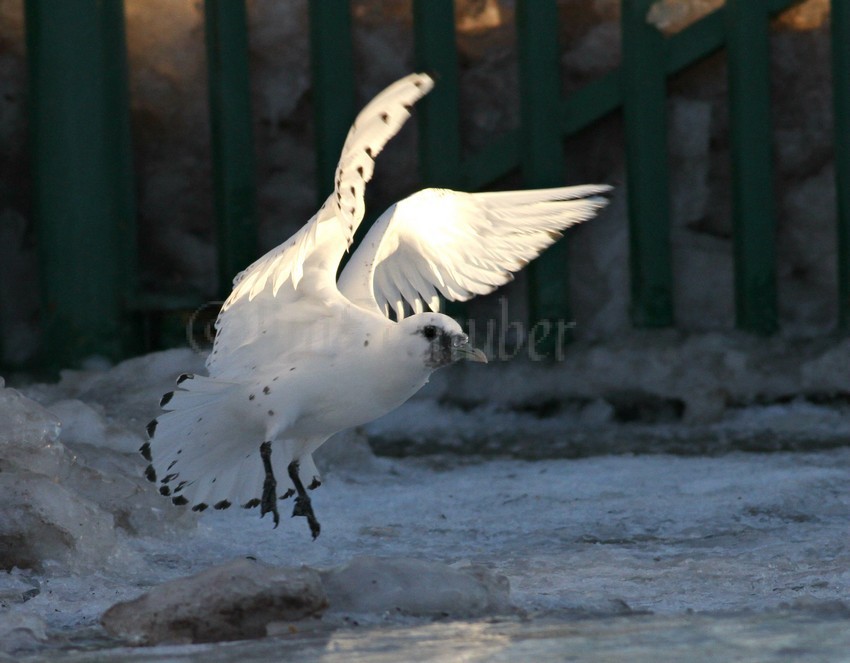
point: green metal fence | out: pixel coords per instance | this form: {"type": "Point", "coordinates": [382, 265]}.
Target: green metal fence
{"type": "Point", "coordinates": [82, 154]}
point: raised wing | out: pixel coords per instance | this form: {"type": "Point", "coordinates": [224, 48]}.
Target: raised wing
{"type": "Point", "coordinates": [256, 303]}
{"type": "Point", "coordinates": [459, 244]}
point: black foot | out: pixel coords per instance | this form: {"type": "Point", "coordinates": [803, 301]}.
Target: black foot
{"type": "Point", "coordinates": [303, 505]}
{"type": "Point", "coordinates": [268, 504]}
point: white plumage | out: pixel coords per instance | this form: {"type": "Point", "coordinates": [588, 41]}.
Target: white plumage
{"type": "Point", "coordinates": [298, 356]}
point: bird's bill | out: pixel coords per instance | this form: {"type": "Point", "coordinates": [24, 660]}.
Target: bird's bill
{"type": "Point", "coordinates": [466, 351]}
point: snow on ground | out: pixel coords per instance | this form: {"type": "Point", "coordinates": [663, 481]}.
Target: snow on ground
{"type": "Point", "coordinates": [593, 537]}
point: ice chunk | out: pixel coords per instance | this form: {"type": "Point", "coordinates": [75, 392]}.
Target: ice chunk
{"type": "Point", "coordinates": [83, 424]}
{"type": "Point", "coordinates": [115, 482]}
{"type": "Point", "coordinates": [231, 602]}
{"type": "Point", "coordinates": [44, 526]}
{"type": "Point", "coordinates": [415, 587]}
{"type": "Point", "coordinates": [28, 435]}
{"type": "Point", "coordinates": [130, 391]}
{"type": "Point", "coordinates": [93, 477]}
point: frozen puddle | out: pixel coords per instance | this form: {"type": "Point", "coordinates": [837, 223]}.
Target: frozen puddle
{"type": "Point", "coordinates": [785, 636]}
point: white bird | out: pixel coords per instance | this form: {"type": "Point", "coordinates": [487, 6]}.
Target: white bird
{"type": "Point", "coordinates": [299, 356]}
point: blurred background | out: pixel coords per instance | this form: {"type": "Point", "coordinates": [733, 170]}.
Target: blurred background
{"type": "Point", "coordinates": [153, 148]}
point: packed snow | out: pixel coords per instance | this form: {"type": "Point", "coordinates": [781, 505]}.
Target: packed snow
{"type": "Point", "coordinates": [416, 540]}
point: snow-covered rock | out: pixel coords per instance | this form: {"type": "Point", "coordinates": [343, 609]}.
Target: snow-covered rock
{"type": "Point", "coordinates": [234, 601]}
{"type": "Point", "coordinates": [415, 587]}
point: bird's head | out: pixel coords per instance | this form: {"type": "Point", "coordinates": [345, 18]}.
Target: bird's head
{"type": "Point", "coordinates": [438, 339]}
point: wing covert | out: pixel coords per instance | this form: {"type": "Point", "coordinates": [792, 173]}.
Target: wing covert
{"type": "Point", "coordinates": [459, 244]}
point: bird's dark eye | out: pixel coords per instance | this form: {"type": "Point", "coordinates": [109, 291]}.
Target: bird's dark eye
{"type": "Point", "coordinates": [429, 331]}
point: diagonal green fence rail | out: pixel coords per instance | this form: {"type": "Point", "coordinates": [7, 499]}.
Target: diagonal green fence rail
{"type": "Point", "coordinates": [82, 157]}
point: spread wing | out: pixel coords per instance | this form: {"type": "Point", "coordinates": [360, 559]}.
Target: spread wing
{"type": "Point", "coordinates": [293, 286]}
{"type": "Point", "coordinates": [458, 244]}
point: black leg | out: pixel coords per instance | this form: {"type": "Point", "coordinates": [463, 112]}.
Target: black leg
{"type": "Point", "coordinates": [269, 502]}
{"type": "Point", "coordinates": [303, 506]}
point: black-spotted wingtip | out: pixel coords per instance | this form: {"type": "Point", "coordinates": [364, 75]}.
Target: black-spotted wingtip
{"type": "Point", "coordinates": [179, 500]}
{"type": "Point", "coordinates": [166, 398]}
{"type": "Point", "coordinates": [145, 450]}
{"type": "Point", "coordinates": [151, 429]}
{"type": "Point", "coordinates": [223, 504]}
{"type": "Point", "coordinates": [184, 377]}
{"type": "Point", "coordinates": [150, 473]}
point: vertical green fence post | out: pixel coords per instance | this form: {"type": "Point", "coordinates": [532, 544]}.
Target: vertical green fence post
{"type": "Point", "coordinates": [748, 51]}
{"type": "Point", "coordinates": [542, 153]}
{"type": "Point", "coordinates": [438, 114]}
{"type": "Point", "coordinates": [332, 68]}
{"type": "Point", "coordinates": [82, 171]}
{"type": "Point", "coordinates": [234, 174]}
{"type": "Point", "coordinates": [840, 20]}
{"type": "Point", "coordinates": [645, 114]}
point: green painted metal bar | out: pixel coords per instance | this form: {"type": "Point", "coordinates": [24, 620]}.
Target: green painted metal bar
{"type": "Point", "coordinates": [840, 22]}
{"type": "Point", "coordinates": [231, 123]}
{"type": "Point", "coordinates": [584, 107]}
{"type": "Point", "coordinates": [438, 114]}
{"type": "Point", "coordinates": [595, 100]}
{"type": "Point", "coordinates": [542, 156]}
{"type": "Point", "coordinates": [82, 169]}
{"type": "Point", "coordinates": [752, 165]}
{"type": "Point", "coordinates": [695, 42]}
{"type": "Point", "coordinates": [332, 64]}
{"type": "Point", "coordinates": [645, 93]}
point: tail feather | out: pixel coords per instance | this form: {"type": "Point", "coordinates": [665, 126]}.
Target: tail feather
{"type": "Point", "coordinates": [197, 447]}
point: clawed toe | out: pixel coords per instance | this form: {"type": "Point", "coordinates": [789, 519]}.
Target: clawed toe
{"type": "Point", "coordinates": [304, 507]}
{"type": "Point", "coordinates": [268, 503]}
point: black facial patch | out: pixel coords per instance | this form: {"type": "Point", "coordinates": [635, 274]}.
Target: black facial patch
{"type": "Point", "coordinates": [439, 352]}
